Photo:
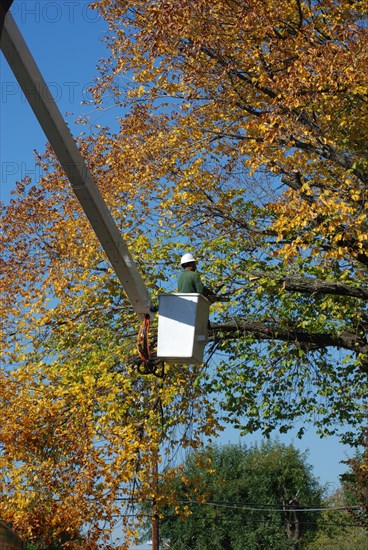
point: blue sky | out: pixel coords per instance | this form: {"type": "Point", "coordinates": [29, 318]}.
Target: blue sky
{"type": "Point", "coordinates": [65, 38]}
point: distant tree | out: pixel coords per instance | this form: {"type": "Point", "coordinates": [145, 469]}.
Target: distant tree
{"type": "Point", "coordinates": [234, 497]}
{"type": "Point", "coordinates": [336, 530]}
{"type": "Point", "coordinates": [355, 485]}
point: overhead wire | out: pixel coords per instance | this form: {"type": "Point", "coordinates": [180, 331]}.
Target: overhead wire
{"type": "Point", "coordinates": [272, 508]}
{"type": "Point", "coordinates": [264, 508]}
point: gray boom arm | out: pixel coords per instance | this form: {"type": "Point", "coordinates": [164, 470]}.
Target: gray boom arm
{"type": "Point", "coordinates": [35, 89]}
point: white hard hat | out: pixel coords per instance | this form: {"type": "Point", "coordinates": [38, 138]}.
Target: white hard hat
{"type": "Point", "coordinates": [186, 259]}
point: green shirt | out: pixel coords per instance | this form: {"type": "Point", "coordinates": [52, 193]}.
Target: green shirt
{"type": "Point", "coordinates": [190, 281]}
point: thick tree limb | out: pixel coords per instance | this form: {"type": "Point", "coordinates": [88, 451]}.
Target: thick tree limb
{"type": "Point", "coordinates": [268, 331]}
{"type": "Point", "coordinates": [309, 285]}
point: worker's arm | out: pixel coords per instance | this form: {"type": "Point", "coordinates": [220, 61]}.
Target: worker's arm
{"type": "Point", "coordinates": [199, 285]}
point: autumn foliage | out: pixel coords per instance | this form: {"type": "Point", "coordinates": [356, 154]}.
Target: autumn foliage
{"type": "Point", "coordinates": [240, 133]}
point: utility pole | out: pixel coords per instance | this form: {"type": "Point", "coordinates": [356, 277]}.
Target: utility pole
{"type": "Point", "coordinates": [155, 507]}
{"type": "Point", "coordinates": [155, 526]}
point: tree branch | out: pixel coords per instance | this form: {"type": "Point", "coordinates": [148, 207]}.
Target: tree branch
{"type": "Point", "coordinates": [309, 340]}
{"type": "Point", "coordinates": [309, 285]}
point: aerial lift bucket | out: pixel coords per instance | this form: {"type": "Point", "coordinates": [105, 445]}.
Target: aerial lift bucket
{"type": "Point", "coordinates": [182, 327]}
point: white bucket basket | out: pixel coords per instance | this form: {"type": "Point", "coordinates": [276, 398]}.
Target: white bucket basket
{"type": "Point", "coordinates": [182, 327]}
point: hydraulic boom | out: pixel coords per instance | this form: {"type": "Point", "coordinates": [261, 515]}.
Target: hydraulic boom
{"type": "Point", "coordinates": [44, 107]}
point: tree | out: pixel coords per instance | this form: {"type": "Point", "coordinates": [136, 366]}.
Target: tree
{"type": "Point", "coordinates": [223, 90]}
{"type": "Point", "coordinates": [81, 435]}
{"type": "Point", "coordinates": [241, 131]}
{"type": "Point", "coordinates": [355, 485]}
{"type": "Point", "coordinates": [234, 497]}
{"type": "Point", "coordinates": [336, 530]}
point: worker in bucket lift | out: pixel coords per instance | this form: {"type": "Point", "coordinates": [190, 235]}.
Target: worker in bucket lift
{"type": "Point", "coordinates": [189, 280]}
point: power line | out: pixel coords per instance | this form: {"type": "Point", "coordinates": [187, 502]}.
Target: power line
{"type": "Point", "coordinates": [262, 508]}
{"type": "Point", "coordinates": [272, 507]}
{"type": "Point", "coordinates": [269, 508]}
